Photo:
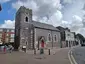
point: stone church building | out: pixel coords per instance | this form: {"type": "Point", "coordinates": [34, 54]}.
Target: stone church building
{"type": "Point", "coordinates": [28, 32]}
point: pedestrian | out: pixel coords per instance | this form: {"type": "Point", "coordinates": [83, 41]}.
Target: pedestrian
{"type": "Point", "coordinates": [42, 43]}
{"type": "Point", "coordinates": [10, 48]}
{"type": "Point", "coordinates": [42, 47]}
{"type": "Point", "coordinates": [24, 48]}
{"type": "Point", "coordinates": [4, 49]}
{"type": "Point", "coordinates": [0, 48]}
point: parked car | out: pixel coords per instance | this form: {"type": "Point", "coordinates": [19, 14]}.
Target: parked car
{"type": "Point", "coordinates": [83, 44]}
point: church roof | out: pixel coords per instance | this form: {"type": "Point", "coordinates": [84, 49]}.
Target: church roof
{"type": "Point", "coordinates": [44, 26]}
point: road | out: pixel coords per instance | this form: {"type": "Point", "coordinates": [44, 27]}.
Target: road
{"type": "Point", "coordinates": [79, 54]}
{"type": "Point", "coordinates": [60, 57]}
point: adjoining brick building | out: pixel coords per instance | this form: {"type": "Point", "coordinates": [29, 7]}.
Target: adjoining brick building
{"type": "Point", "coordinates": [6, 35]}
{"type": "Point", "coordinates": [28, 32]}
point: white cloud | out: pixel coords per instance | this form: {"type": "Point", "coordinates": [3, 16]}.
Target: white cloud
{"type": "Point", "coordinates": [65, 23]}
{"type": "Point", "coordinates": [41, 8]}
{"type": "Point", "coordinates": [8, 24]}
{"type": "Point", "coordinates": [76, 18]}
{"type": "Point", "coordinates": [76, 23]}
{"type": "Point", "coordinates": [29, 4]}
{"type": "Point", "coordinates": [74, 8]}
{"type": "Point", "coordinates": [3, 1]}
{"type": "Point", "coordinates": [73, 13]}
{"type": "Point", "coordinates": [46, 11]}
{"type": "Point", "coordinates": [58, 15]}
{"type": "Point", "coordinates": [34, 17]}
{"type": "Point", "coordinates": [50, 12]}
{"type": "Point", "coordinates": [67, 1]}
{"type": "Point", "coordinates": [17, 4]}
{"type": "Point", "coordinates": [54, 20]}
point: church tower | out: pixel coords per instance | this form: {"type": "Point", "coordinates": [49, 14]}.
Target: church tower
{"type": "Point", "coordinates": [23, 28]}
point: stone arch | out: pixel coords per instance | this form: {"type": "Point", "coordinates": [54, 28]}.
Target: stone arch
{"type": "Point", "coordinates": [40, 38]}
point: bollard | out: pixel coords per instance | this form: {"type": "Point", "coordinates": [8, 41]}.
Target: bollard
{"type": "Point", "coordinates": [49, 51]}
{"type": "Point", "coordinates": [35, 51]}
{"type": "Point", "coordinates": [41, 51]}
{"type": "Point", "coordinates": [25, 50]}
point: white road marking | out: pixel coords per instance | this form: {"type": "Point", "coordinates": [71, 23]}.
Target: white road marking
{"type": "Point", "coordinates": [71, 58]}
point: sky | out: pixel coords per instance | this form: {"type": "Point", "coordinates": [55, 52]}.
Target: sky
{"type": "Point", "coordinates": [65, 13]}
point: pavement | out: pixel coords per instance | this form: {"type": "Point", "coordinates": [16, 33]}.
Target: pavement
{"type": "Point", "coordinates": [59, 57]}
{"type": "Point", "coordinates": [46, 51]}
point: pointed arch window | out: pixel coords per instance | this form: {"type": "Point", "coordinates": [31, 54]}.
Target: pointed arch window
{"type": "Point", "coordinates": [55, 38]}
{"type": "Point", "coordinates": [49, 37]}
{"type": "Point", "coordinates": [26, 19]}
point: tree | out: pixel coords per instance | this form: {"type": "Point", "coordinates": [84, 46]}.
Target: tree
{"type": "Point", "coordinates": [81, 37]}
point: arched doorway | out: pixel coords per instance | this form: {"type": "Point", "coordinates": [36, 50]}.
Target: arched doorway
{"type": "Point", "coordinates": [41, 42]}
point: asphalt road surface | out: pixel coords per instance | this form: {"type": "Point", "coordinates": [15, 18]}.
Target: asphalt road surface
{"type": "Point", "coordinates": [79, 54]}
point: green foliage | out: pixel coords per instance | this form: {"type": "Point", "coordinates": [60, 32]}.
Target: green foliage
{"type": "Point", "coordinates": [81, 37]}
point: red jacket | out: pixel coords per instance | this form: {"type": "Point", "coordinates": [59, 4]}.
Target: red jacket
{"type": "Point", "coordinates": [42, 44]}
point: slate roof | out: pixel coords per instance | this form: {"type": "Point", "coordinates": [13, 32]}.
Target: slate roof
{"type": "Point", "coordinates": [44, 26]}
{"type": "Point", "coordinates": [62, 28]}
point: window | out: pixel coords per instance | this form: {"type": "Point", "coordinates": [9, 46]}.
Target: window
{"type": "Point", "coordinates": [26, 43]}
{"type": "Point", "coordinates": [0, 40]}
{"type": "Point", "coordinates": [26, 19]}
{"type": "Point", "coordinates": [12, 40]}
{"type": "Point", "coordinates": [68, 34]}
{"type": "Point", "coordinates": [1, 30]}
{"type": "Point", "coordinates": [26, 28]}
{"type": "Point", "coordinates": [31, 34]}
{"type": "Point", "coordinates": [31, 31]}
{"type": "Point", "coordinates": [12, 35]}
{"type": "Point", "coordinates": [55, 38]}
{"type": "Point", "coordinates": [49, 37]}
{"type": "Point", "coordinates": [7, 40]}
{"type": "Point", "coordinates": [0, 34]}
{"type": "Point", "coordinates": [7, 34]}
{"type": "Point", "coordinates": [12, 30]}
{"type": "Point", "coordinates": [66, 43]}
{"type": "Point", "coordinates": [7, 30]}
